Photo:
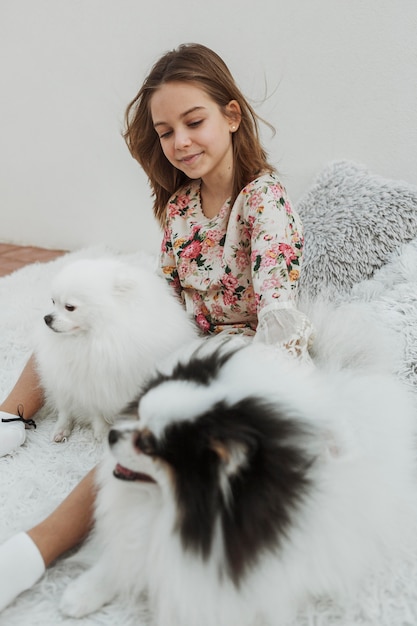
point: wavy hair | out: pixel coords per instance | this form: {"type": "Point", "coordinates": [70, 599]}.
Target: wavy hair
{"type": "Point", "coordinates": [200, 65]}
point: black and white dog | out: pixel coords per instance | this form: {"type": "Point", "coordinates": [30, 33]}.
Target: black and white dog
{"type": "Point", "coordinates": [249, 484]}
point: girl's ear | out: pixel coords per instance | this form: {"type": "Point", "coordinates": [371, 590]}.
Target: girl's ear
{"type": "Point", "coordinates": [234, 114]}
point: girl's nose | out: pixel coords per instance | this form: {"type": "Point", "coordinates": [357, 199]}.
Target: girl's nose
{"type": "Point", "coordinates": [182, 140]}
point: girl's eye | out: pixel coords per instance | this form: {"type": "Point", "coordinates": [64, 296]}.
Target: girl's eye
{"type": "Point", "coordinates": [70, 307]}
{"type": "Point", "coordinates": [168, 133]}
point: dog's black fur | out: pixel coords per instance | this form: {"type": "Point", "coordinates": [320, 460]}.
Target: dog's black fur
{"type": "Point", "coordinates": [270, 479]}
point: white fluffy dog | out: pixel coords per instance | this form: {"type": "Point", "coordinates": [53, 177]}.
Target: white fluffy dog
{"type": "Point", "coordinates": [248, 485]}
{"type": "Point", "coordinates": [110, 322]}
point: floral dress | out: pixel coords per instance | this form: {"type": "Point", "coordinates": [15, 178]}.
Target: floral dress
{"type": "Point", "coordinates": [233, 268]}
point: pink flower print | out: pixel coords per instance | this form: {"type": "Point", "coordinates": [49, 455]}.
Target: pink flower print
{"type": "Point", "coordinates": [173, 210]}
{"type": "Point", "coordinates": [175, 283]}
{"type": "Point", "coordinates": [288, 252]}
{"type": "Point", "coordinates": [214, 235]}
{"type": "Point", "coordinates": [241, 259]}
{"type": "Point", "coordinates": [269, 258]}
{"type": "Point", "coordinates": [203, 323]}
{"type": "Point", "coordinates": [184, 270]}
{"type": "Point", "coordinates": [195, 229]}
{"type": "Point", "coordinates": [217, 311]}
{"type": "Point", "coordinates": [229, 298]}
{"type": "Point", "coordinates": [251, 221]}
{"type": "Point", "coordinates": [253, 255]}
{"type": "Point", "coordinates": [191, 251]}
{"type": "Point", "coordinates": [247, 227]}
{"type": "Point", "coordinates": [230, 281]}
{"type": "Point", "coordinates": [255, 200]}
{"type": "Point", "coordinates": [165, 239]}
{"type": "Point", "coordinates": [276, 191]}
{"type": "Point", "coordinates": [271, 283]}
{"type": "Point", "coordinates": [288, 208]}
{"type": "Point", "coordinates": [256, 230]}
{"type": "Point", "coordinates": [246, 232]}
{"type": "Point", "coordinates": [182, 201]}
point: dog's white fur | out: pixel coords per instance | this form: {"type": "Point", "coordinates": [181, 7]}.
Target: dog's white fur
{"type": "Point", "coordinates": [360, 512]}
{"type": "Point", "coordinates": [110, 321]}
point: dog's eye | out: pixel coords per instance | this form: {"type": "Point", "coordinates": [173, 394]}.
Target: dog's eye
{"type": "Point", "coordinates": [146, 442]}
{"type": "Point", "coordinates": [53, 301]}
{"type": "Point", "coordinates": [70, 307]}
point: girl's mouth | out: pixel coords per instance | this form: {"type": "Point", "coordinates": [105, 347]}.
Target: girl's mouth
{"type": "Point", "coordinates": [191, 159]}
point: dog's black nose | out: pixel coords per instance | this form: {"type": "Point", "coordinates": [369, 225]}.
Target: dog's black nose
{"type": "Point", "coordinates": [113, 436]}
{"type": "Point", "coordinates": [48, 319]}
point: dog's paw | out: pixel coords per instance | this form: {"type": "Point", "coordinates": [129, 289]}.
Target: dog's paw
{"type": "Point", "coordinates": [83, 597]}
{"type": "Point", "coordinates": [63, 427]}
{"type": "Point", "coordinates": [61, 435]}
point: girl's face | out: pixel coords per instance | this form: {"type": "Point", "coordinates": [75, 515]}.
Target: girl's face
{"type": "Point", "coordinates": [195, 134]}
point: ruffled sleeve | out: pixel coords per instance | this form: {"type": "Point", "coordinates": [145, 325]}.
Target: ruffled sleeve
{"type": "Point", "coordinates": [286, 329]}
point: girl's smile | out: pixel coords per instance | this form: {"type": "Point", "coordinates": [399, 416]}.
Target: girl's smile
{"type": "Point", "coordinates": [191, 160]}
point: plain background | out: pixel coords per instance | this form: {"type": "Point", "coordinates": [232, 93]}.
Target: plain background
{"type": "Point", "coordinates": [336, 78]}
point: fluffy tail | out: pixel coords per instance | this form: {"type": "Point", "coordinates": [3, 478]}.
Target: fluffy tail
{"type": "Point", "coordinates": [350, 335]}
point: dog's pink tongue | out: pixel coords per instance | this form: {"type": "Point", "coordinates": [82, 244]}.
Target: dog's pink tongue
{"type": "Point", "coordinates": [123, 472]}
{"type": "Point", "coordinates": [126, 474]}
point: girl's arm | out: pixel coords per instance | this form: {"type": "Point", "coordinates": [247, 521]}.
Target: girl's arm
{"type": "Point", "coordinates": [277, 246]}
{"type": "Point", "coordinates": [167, 261]}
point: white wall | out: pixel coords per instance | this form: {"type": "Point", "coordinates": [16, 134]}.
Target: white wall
{"type": "Point", "coordinates": [341, 76]}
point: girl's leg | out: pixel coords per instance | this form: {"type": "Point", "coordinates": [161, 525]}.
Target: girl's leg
{"type": "Point", "coordinates": [69, 524]}
{"type": "Point", "coordinates": [27, 393]}
{"type": "Point", "coordinates": [25, 399]}
{"type": "Point", "coordinates": [24, 557]}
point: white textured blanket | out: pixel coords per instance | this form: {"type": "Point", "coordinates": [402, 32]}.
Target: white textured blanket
{"type": "Point", "coordinates": [41, 473]}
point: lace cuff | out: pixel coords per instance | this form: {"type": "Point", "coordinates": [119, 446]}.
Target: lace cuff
{"type": "Point", "coordinates": [286, 328]}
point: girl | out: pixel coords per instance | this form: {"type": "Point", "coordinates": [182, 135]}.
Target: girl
{"type": "Point", "coordinates": [232, 249]}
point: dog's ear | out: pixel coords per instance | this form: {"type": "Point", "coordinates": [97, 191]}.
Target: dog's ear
{"type": "Point", "coordinates": [233, 454]}
{"type": "Point", "coordinates": [130, 412]}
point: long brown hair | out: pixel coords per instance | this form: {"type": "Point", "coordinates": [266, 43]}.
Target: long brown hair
{"type": "Point", "coordinates": [198, 64]}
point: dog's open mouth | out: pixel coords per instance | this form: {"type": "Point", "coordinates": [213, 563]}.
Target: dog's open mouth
{"type": "Point", "coordinates": [126, 474]}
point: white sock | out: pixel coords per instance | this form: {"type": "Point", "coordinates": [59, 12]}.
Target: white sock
{"type": "Point", "coordinates": [12, 434]}
{"type": "Point", "coordinates": [21, 566]}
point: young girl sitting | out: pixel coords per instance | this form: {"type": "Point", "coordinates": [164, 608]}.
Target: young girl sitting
{"type": "Point", "coordinates": [232, 248]}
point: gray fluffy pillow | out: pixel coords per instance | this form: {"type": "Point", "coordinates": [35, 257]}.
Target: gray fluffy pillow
{"type": "Point", "coordinates": [353, 220]}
